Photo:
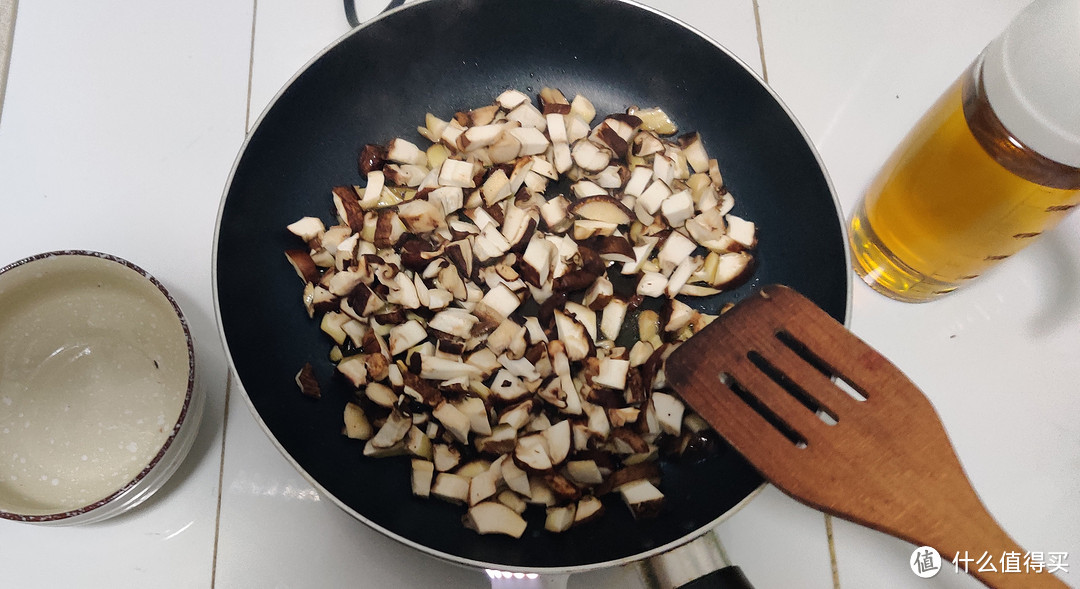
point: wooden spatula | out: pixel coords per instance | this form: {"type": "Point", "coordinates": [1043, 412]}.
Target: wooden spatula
{"type": "Point", "coordinates": [868, 447]}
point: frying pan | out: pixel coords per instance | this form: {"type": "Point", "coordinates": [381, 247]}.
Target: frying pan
{"type": "Point", "coordinates": [441, 56]}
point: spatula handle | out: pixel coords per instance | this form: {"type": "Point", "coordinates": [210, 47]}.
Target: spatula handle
{"type": "Point", "coordinates": [973, 542]}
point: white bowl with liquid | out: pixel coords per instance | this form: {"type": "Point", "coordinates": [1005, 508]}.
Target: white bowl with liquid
{"type": "Point", "coordinates": [99, 399]}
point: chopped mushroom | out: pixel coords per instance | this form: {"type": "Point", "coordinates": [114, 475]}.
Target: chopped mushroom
{"type": "Point", "coordinates": [476, 315]}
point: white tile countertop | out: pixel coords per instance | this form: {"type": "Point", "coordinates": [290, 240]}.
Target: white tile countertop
{"type": "Point", "coordinates": [118, 128]}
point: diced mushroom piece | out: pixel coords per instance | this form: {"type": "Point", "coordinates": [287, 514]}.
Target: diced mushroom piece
{"type": "Point", "coordinates": [392, 431]}
{"type": "Point", "coordinates": [677, 208]}
{"type": "Point", "coordinates": [405, 336]}
{"type": "Point", "coordinates": [652, 198]}
{"type": "Point", "coordinates": [355, 369]}
{"type": "Point", "coordinates": [531, 454]}
{"type": "Point", "coordinates": [485, 360]}
{"type": "Point", "coordinates": [602, 208]}
{"type": "Point", "coordinates": [656, 120]}
{"type": "Point", "coordinates": [479, 136]}
{"type": "Point", "coordinates": [621, 416]}
{"type": "Point", "coordinates": [742, 231]}
{"type": "Point", "coordinates": [455, 422]}
{"type": "Point", "coordinates": [553, 100]}
{"type": "Point", "coordinates": [611, 318]}
{"type": "Point", "coordinates": [532, 140]}
{"type": "Point", "coordinates": [451, 487]}
{"type": "Point", "coordinates": [588, 509]}
{"type": "Point", "coordinates": [583, 108]}
{"type": "Point", "coordinates": [508, 387]}
{"type": "Point", "coordinates": [437, 368]}
{"type": "Point", "coordinates": [585, 229]}
{"type": "Point", "coordinates": [512, 500]}
{"type": "Point", "coordinates": [516, 478]}
{"type": "Point", "coordinates": [560, 518]}
{"type": "Point", "coordinates": [612, 177]}
{"type": "Point", "coordinates": [516, 416]}
{"type": "Point", "coordinates": [518, 226]}
{"type": "Point", "coordinates": [669, 411]}
{"type": "Point", "coordinates": [318, 299]}
{"type": "Point", "coordinates": [681, 274]}
{"type": "Point", "coordinates": [612, 373]}
{"type": "Point", "coordinates": [527, 115]}
{"type": "Point", "coordinates": [664, 169]}
{"type": "Point", "coordinates": [307, 228]}
{"type": "Point", "coordinates": [492, 517]}
{"type": "Point", "coordinates": [490, 244]}
{"type": "Point", "coordinates": [445, 457]}
{"type": "Point", "coordinates": [475, 409]}
{"type": "Point", "coordinates": [455, 322]}
{"type": "Point", "coordinates": [423, 472]}
{"type": "Point", "coordinates": [449, 199]}
{"type": "Point", "coordinates": [599, 293]}
{"type": "Point", "coordinates": [560, 143]}
{"type": "Point", "coordinates": [583, 315]}
{"type": "Point", "coordinates": [558, 441]}
{"type": "Point", "coordinates": [456, 173]}
{"type": "Point", "coordinates": [584, 472]}
{"type": "Point", "coordinates": [404, 152]}
{"type": "Point", "coordinates": [676, 248]}
{"type": "Point", "coordinates": [643, 498]}
{"type": "Point", "coordinates": [639, 181]}
{"type": "Point", "coordinates": [589, 156]}
{"type": "Point", "coordinates": [484, 485]}
{"type": "Point", "coordinates": [511, 98]}
{"type": "Point", "coordinates": [576, 128]}
{"type": "Point", "coordinates": [421, 216]}
{"type": "Point", "coordinates": [646, 143]}
{"type": "Point", "coordinates": [305, 379]}
{"type": "Point", "coordinates": [556, 215]}
{"type": "Point", "coordinates": [496, 187]}
{"type": "Point", "coordinates": [573, 336]}
{"type": "Point", "coordinates": [497, 304]}
{"type": "Point", "coordinates": [539, 492]}
{"type": "Point", "coordinates": [505, 149]}
{"type": "Point", "coordinates": [418, 444]}
{"type": "Point", "coordinates": [410, 175]}
{"type": "Point", "coordinates": [651, 284]}
{"type": "Point", "coordinates": [641, 255]}
{"type": "Point", "coordinates": [501, 440]}
{"type": "Point", "coordinates": [521, 367]}
{"type": "Point", "coordinates": [356, 425]}
{"type": "Point", "coordinates": [731, 268]}
{"type": "Point", "coordinates": [380, 394]}
{"type": "Point", "coordinates": [694, 151]}
{"type": "Point", "coordinates": [537, 261]}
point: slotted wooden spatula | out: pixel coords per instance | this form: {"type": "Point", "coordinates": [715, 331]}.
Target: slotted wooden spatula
{"type": "Point", "coordinates": [868, 447]}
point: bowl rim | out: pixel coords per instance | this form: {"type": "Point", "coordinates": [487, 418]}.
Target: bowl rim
{"type": "Point", "coordinates": [71, 514]}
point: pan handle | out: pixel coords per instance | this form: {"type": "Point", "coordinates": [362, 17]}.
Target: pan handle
{"type": "Point", "coordinates": [350, 10]}
{"type": "Point", "coordinates": [699, 564]}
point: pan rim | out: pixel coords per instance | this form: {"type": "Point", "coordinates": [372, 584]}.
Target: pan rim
{"type": "Point", "coordinates": [444, 556]}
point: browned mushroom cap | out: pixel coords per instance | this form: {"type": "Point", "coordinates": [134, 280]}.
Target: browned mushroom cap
{"type": "Point", "coordinates": [602, 208]}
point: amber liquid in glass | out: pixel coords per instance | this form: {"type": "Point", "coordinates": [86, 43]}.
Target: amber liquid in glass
{"type": "Point", "coordinates": [959, 195]}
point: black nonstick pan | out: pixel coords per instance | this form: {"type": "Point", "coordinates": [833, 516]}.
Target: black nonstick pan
{"type": "Point", "coordinates": [441, 56]}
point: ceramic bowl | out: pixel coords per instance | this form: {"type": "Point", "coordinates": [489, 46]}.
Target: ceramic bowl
{"type": "Point", "coordinates": [99, 402]}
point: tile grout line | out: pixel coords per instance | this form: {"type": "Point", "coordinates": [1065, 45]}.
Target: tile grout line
{"type": "Point", "coordinates": [8, 11]}
{"type": "Point", "coordinates": [832, 552]}
{"type": "Point", "coordinates": [251, 67]}
{"type": "Point", "coordinates": [228, 381]}
{"type": "Point", "coordinates": [760, 42]}
{"type": "Point", "coordinates": [221, 480]}
{"type": "Point", "coordinates": [833, 567]}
